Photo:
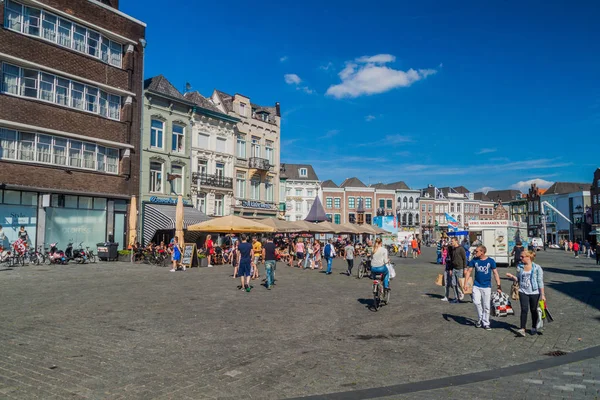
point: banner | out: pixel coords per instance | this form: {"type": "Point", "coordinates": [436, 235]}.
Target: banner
{"type": "Point", "coordinates": [452, 223]}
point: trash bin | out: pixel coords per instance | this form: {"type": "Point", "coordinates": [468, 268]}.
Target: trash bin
{"type": "Point", "coordinates": [108, 251]}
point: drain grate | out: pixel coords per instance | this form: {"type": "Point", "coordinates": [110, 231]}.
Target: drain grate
{"type": "Point", "coordinates": [556, 353]}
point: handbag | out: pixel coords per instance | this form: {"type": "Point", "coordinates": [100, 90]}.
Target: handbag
{"type": "Point", "coordinates": [440, 280]}
{"type": "Point", "coordinates": [514, 291]}
{"type": "Point", "coordinates": [468, 288]}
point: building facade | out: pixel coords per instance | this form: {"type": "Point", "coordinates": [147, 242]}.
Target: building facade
{"type": "Point", "coordinates": [257, 149]}
{"type": "Point", "coordinates": [212, 157]}
{"type": "Point", "coordinates": [70, 119]}
{"type": "Point", "coordinates": [572, 200]}
{"type": "Point", "coordinates": [334, 208]}
{"type": "Point", "coordinates": [302, 187]}
{"type": "Point", "coordinates": [534, 222]}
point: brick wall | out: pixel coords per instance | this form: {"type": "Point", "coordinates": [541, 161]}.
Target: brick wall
{"type": "Point", "coordinates": [45, 115]}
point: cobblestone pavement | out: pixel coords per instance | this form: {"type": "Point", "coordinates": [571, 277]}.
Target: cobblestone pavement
{"type": "Point", "coordinates": [121, 331]}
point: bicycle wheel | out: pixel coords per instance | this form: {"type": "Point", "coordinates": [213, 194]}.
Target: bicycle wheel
{"type": "Point", "coordinates": [91, 257]}
{"type": "Point", "coordinates": [376, 296]}
{"type": "Point", "coordinates": [386, 297]}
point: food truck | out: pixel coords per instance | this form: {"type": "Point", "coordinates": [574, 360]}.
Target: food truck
{"type": "Point", "coordinates": [499, 237]}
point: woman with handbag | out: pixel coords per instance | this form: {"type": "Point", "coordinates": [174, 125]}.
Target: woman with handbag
{"type": "Point", "coordinates": [530, 278]}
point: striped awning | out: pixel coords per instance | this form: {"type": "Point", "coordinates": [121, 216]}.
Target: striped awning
{"type": "Point", "coordinates": [162, 217]}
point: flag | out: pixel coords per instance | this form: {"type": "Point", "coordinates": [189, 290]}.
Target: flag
{"type": "Point", "coordinates": [452, 223]}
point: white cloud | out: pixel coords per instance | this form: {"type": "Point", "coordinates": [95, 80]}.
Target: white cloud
{"type": "Point", "coordinates": [486, 150]}
{"type": "Point", "coordinates": [283, 59]}
{"type": "Point", "coordinates": [378, 59]}
{"type": "Point", "coordinates": [395, 139]}
{"type": "Point", "coordinates": [523, 186]}
{"type": "Point", "coordinates": [327, 66]}
{"type": "Point", "coordinates": [331, 133]}
{"type": "Point", "coordinates": [485, 189]}
{"type": "Point", "coordinates": [370, 118]}
{"type": "Point", "coordinates": [305, 89]}
{"type": "Point", "coordinates": [292, 79]}
{"type": "Point", "coordinates": [369, 75]}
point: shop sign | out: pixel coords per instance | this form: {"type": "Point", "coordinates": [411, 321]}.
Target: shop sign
{"type": "Point", "coordinates": [257, 204]}
{"type": "Point", "coordinates": [168, 200]}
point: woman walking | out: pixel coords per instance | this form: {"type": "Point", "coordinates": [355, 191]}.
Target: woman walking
{"type": "Point", "coordinates": [300, 252]}
{"type": "Point", "coordinates": [235, 258]}
{"type": "Point", "coordinates": [530, 277]}
{"type": "Point", "coordinates": [317, 255]}
{"type": "Point", "coordinates": [176, 255]}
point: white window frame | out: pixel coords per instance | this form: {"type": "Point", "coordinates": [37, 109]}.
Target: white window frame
{"type": "Point", "coordinates": [269, 151]}
{"type": "Point", "coordinates": [329, 202]}
{"type": "Point", "coordinates": [181, 180]}
{"type": "Point", "coordinates": [219, 205]}
{"type": "Point", "coordinates": [303, 172]}
{"type": "Point", "coordinates": [201, 202]}
{"type": "Point", "coordinates": [351, 202]}
{"type": "Point", "coordinates": [52, 28]}
{"type": "Point", "coordinates": [156, 178]}
{"type": "Point", "coordinates": [39, 148]}
{"type": "Point", "coordinates": [240, 178]}
{"type": "Point", "coordinates": [242, 109]}
{"type": "Point", "coordinates": [82, 97]}
{"type": "Point", "coordinates": [241, 145]}
{"type": "Point", "coordinates": [255, 148]}
{"type": "Point", "coordinates": [337, 202]}
{"type": "Point", "coordinates": [178, 139]}
{"type": "Point", "coordinates": [269, 190]}
{"type": "Point", "coordinates": [158, 132]}
{"type": "Point", "coordinates": [255, 188]}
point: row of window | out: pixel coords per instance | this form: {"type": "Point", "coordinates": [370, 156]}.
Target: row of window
{"type": "Point", "coordinates": [157, 178]}
{"type": "Point", "coordinates": [50, 27]}
{"type": "Point", "coordinates": [469, 208]}
{"type": "Point", "coordinates": [596, 199]}
{"type": "Point", "coordinates": [255, 148]}
{"type": "Point", "coordinates": [55, 150]}
{"type": "Point", "coordinates": [39, 85]}
{"type": "Point", "coordinates": [298, 206]}
{"type": "Point", "coordinates": [218, 206]}
{"type": "Point", "coordinates": [241, 182]}
{"type": "Point", "coordinates": [299, 192]}
{"type": "Point", "coordinates": [157, 129]}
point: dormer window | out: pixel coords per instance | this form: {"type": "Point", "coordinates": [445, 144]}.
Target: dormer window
{"type": "Point", "coordinates": [243, 109]}
{"type": "Point", "coordinates": [303, 172]}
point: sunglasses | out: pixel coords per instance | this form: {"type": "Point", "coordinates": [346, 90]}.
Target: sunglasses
{"type": "Point", "coordinates": [524, 256]}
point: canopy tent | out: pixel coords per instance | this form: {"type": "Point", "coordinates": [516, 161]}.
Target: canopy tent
{"type": "Point", "coordinates": [317, 212]}
{"type": "Point", "coordinates": [279, 225]}
{"type": "Point", "coordinates": [459, 233]}
{"type": "Point", "coordinates": [162, 216]}
{"type": "Point", "coordinates": [381, 231]}
{"type": "Point", "coordinates": [332, 228]}
{"type": "Point", "coordinates": [304, 226]}
{"type": "Point", "coordinates": [231, 224]}
{"type": "Point", "coordinates": [348, 228]}
{"type": "Point", "coordinates": [368, 229]}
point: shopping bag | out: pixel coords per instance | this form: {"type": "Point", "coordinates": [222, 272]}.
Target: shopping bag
{"type": "Point", "coordinates": [392, 271]}
{"type": "Point", "coordinates": [440, 280]}
{"type": "Point", "coordinates": [468, 288]}
{"type": "Point", "coordinates": [542, 306]}
{"type": "Point", "coordinates": [514, 291]}
{"type": "Point", "coordinates": [548, 315]}
{"type": "Point", "coordinates": [540, 323]}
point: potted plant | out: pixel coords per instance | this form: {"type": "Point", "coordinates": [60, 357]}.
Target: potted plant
{"type": "Point", "coordinates": [203, 260]}
{"type": "Point", "coordinates": [124, 255]}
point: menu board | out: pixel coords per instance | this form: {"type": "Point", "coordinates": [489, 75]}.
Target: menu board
{"type": "Point", "coordinates": [189, 256]}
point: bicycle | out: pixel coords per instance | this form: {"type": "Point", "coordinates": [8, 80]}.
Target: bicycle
{"type": "Point", "coordinates": [380, 295]}
{"type": "Point", "coordinates": [363, 268]}
{"type": "Point", "coordinates": [90, 255]}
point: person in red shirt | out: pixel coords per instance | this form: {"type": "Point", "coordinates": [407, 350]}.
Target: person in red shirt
{"type": "Point", "coordinates": [415, 247]}
{"type": "Point", "coordinates": [210, 250]}
{"type": "Point", "coordinates": [576, 249]}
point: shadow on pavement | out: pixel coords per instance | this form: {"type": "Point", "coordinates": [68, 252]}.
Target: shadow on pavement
{"type": "Point", "coordinates": [369, 303]}
{"type": "Point", "coordinates": [6, 269]}
{"type": "Point", "coordinates": [586, 291]}
{"type": "Point", "coordinates": [494, 323]}
{"type": "Point", "coordinates": [434, 295]}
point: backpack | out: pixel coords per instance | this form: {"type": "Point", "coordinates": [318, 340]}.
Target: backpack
{"type": "Point", "coordinates": [327, 250]}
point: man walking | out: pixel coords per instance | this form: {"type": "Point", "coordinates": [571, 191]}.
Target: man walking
{"type": "Point", "coordinates": [349, 251]}
{"type": "Point", "coordinates": [415, 247]}
{"type": "Point", "coordinates": [245, 257]}
{"type": "Point", "coordinates": [482, 286]}
{"type": "Point", "coordinates": [454, 270]}
{"type": "Point", "coordinates": [576, 249]}
{"type": "Point", "coordinates": [257, 250]}
{"type": "Point", "coordinates": [269, 254]}
{"type": "Point", "coordinates": [329, 252]}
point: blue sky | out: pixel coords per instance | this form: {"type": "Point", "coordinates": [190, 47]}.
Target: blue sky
{"type": "Point", "coordinates": [473, 93]}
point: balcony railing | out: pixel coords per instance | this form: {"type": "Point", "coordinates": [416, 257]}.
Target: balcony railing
{"type": "Point", "coordinates": [259, 163]}
{"type": "Point", "coordinates": [200, 179]}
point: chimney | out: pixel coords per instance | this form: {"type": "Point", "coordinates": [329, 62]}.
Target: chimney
{"type": "Point", "coordinates": [112, 3]}
{"type": "Point", "coordinates": [277, 109]}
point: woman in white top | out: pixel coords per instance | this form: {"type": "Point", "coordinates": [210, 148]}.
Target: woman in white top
{"type": "Point", "coordinates": [379, 261]}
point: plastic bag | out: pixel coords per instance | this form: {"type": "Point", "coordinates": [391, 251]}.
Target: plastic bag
{"type": "Point", "coordinates": [392, 271]}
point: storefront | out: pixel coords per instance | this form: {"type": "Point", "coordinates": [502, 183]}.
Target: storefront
{"type": "Point", "coordinates": [255, 209]}
{"type": "Point", "coordinates": [18, 209]}
{"type": "Point", "coordinates": [63, 218]}
{"type": "Point", "coordinates": [158, 218]}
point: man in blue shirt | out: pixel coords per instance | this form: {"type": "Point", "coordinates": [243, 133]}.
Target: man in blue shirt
{"type": "Point", "coordinates": [482, 286]}
{"type": "Point", "coordinates": [245, 257]}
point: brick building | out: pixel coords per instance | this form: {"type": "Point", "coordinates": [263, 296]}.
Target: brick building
{"type": "Point", "coordinates": [333, 200]}
{"type": "Point", "coordinates": [70, 119]}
